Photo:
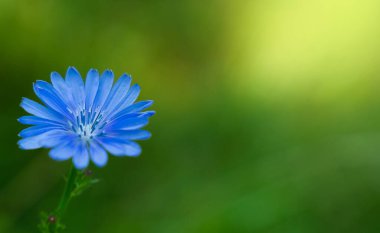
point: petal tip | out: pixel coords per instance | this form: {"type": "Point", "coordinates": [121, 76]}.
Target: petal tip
{"type": "Point", "coordinates": [100, 165]}
{"type": "Point", "coordinates": [92, 70]}
{"type": "Point", "coordinates": [125, 75]}
{"type": "Point", "coordinates": [150, 113]}
{"type": "Point", "coordinates": [79, 165]}
{"type": "Point", "coordinates": [72, 70]}
{"type": "Point", "coordinates": [108, 72]}
{"type": "Point", "coordinates": [135, 154]}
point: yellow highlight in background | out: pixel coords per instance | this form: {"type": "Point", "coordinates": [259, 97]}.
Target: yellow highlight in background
{"type": "Point", "coordinates": [323, 47]}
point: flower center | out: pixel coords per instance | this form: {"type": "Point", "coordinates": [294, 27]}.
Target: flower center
{"type": "Point", "coordinates": [88, 124]}
{"type": "Point", "coordinates": [85, 132]}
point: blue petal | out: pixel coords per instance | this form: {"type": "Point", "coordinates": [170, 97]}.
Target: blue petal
{"type": "Point", "coordinates": [56, 80]}
{"type": "Point", "coordinates": [134, 108]}
{"type": "Point", "coordinates": [98, 154]}
{"type": "Point", "coordinates": [60, 86]}
{"type": "Point", "coordinates": [148, 113]}
{"type": "Point", "coordinates": [48, 139]}
{"type": "Point", "coordinates": [64, 151]}
{"type": "Point", "coordinates": [34, 120]}
{"type": "Point", "coordinates": [75, 82]}
{"type": "Point", "coordinates": [81, 158]}
{"type": "Point", "coordinates": [105, 86]}
{"type": "Point", "coordinates": [56, 137]}
{"type": "Point", "coordinates": [29, 143]}
{"type": "Point", "coordinates": [120, 147]}
{"type": "Point", "coordinates": [132, 148]}
{"type": "Point", "coordinates": [132, 96]}
{"type": "Point", "coordinates": [58, 83]}
{"type": "Point", "coordinates": [37, 130]}
{"type": "Point", "coordinates": [37, 109]}
{"type": "Point", "coordinates": [128, 99]}
{"type": "Point", "coordinates": [128, 123]}
{"type": "Point", "coordinates": [112, 146]}
{"type": "Point", "coordinates": [91, 87]}
{"type": "Point", "coordinates": [50, 97]}
{"type": "Point", "coordinates": [137, 107]}
{"type": "Point", "coordinates": [119, 90]}
{"type": "Point", "coordinates": [130, 134]}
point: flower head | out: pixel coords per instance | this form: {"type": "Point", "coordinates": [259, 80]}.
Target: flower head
{"type": "Point", "coordinates": [84, 120]}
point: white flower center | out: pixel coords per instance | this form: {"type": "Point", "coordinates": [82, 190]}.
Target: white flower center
{"type": "Point", "coordinates": [88, 125]}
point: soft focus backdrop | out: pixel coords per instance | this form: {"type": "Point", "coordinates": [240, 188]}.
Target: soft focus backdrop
{"type": "Point", "coordinates": [268, 114]}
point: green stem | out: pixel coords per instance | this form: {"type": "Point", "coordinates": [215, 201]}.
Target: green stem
{"type": "Point", "coordinates": [66, 196]}
{"type": "Point", "coordinates": [52, 223]}
{"type": "Point", "coordinates": [76, 183]}
{"type": "Point", "coordinates": [65, 199]}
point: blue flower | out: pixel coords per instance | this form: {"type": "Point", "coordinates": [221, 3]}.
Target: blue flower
{"type": "Point", "coordinates": [84, 120]}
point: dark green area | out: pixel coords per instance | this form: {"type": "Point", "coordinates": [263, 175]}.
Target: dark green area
{"type": "Point", "coordinates": [231, 151]}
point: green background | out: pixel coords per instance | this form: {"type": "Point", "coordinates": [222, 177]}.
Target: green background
{"type": "Point", "coordinates": [268, 114]}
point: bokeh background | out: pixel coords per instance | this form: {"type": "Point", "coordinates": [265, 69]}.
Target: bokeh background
{"type": "Point", "coordinates": [268, 114]}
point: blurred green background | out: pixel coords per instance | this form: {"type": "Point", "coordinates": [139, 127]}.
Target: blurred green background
{"type": "Point", "coordinates": [268, 114]}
